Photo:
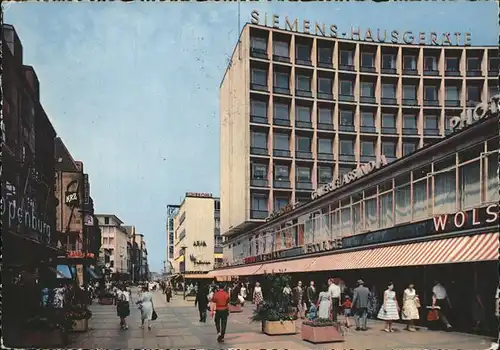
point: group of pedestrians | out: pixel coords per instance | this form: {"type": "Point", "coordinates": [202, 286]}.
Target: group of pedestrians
{"type": "Point", "coordinates": [144, 303]}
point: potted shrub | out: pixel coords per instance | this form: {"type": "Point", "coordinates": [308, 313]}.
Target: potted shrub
{"type": "Point", "coordinates": [80, 318]}
{"type": "Point", "coordinates": [106, 298]}
{"type": "Point", "coordinates": [321, 331]}
{"type": "Point", "coordinates": [276, 313]}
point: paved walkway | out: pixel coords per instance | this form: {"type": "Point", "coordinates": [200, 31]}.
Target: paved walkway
{"type": "Point", "coordinates": [177, 327]}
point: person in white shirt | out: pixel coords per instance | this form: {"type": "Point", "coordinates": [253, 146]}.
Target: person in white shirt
{"type": "Point", "coordinates": [440, 298]}
{"type": "Point", "coordinates": [123, 306]}
{"type": "Point", "coordinates": [335, 295]}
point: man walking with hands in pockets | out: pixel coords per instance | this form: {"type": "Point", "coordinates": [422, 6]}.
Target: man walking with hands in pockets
{"type": "Point", "coordinates": [360, 305]}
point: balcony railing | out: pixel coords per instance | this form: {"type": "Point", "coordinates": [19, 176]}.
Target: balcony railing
{"type": "Point", "coordinates": [410, 102]}
{"type": "Point", "coordinates": [347, 98]}
{"type": "Point", "coordinates": [348, 128]}
{"type": "Point", "coordinates": [325, 96]}
{"type": "Point", "coordinates": [259, 87]}
{"type": "Point", "coordinates": [367, 99]}
{"type": "Point", "coordinates": [281, 122]}
{"type": "Point", "coordinates": [410, 71]}
{"type": "Point", "coordinates": [431, 72]}
{"type": "Point", "coordinates": [325, 64]}
{"type": "Point", "coordinates": [492, 72]}
{"type": "Point", "coordinates": [325, 126]}
{"type": "Point", "coordinates": [431, 132]}
{"type": "Point", "coordinates": [347, 67]}
{"type": "Point", "coordinates": [389, 130]}
{"type": "Point", "coordinates": [259, 183]}
{"type": "Point", "coordinates": [282, 153]}
{"type": "Point", "coordinates": [303, 124]}
{"type": "Point", "coordinates": [304, 155]}
{"type": "Point", "coordinates": [259, 151]}
{"type": "Point", "coordinates": [410, 131]}
{"type": "Point", "coordinates": [389, 101]}
{"type": "Point", "coordinates": [474, 73]}
{"type": "Point", "coordinates": [279, 58]}
{"type": "Point", "coordinates": [452, 73]}
{"type": "Point", "coordinates": [258, 119]}
{"type": "Point", "coordinates": [389, 71]}
{"type": "Point", "coordinates": [303, 93]}
{"type": "Point", "coordinates": [368, 69]}
{"type": "Point", "coordinates": [452, 103]}
{"type": "Point", "coordinates": [325, 156]}
{"type": "Point", "coordinates": [347, 158]}
{"type": "Point", "coordinates": [259, 53]}
{"type": "Point", "coordinates": [368, 129]}
{"type": "Point", "coordinates": [303, 185]}
{"type": "Point", "coordinates": [303, 62]}
{"type": "Point", "coordinates": [431, 103]}
{"type": "Point", "coordinates": [258, 214]}
{"type": "Point", "coordinates": [281, 184]}
{"type": "Point", "coordinates": [367, 158]}
{"type": "Point", "coordinates": [281, 90]}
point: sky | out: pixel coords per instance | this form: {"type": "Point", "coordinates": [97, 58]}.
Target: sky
{"type": "Point", "coordinates": [133, 88]}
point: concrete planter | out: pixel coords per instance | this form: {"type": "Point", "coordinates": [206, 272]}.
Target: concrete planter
{"type": "Point", "coordinates": [106, 301]}
{"type": "Point", "coordinates": [315, 335]}
{"type": "Point", "coordinates": [234, 308]}
{"type": "Point", "coordinates": [80, 325]}
{"type": "Point", "coordinates": [44, 339]}
{"type": "Point", "coordinates": [278, 327]}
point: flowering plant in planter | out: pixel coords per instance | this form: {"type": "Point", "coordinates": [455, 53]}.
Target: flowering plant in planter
{"type": "Point", "coordinates": [79, 313]}
{"type": "Point", "coordinates": [321, 322]}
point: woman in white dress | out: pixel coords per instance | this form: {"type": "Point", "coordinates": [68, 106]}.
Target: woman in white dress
{"type": "Point", "coordinates": [389, 311]}
{"type": "Point", "coordinates": [325, 304]}
{"type": "Point", "coordinates": [146, 306]}
{"type": "Point", "coordinates": [411, 304]}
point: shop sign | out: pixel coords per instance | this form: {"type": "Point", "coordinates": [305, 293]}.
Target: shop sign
{"type": "Point", "coordinates": [78, 254]}
{"type": "Point", "coordinates": [324, 246]}
{"type": "Point", "coordinates": [286, 209]}
{"type": "Point", "coordinates": [482, 110]}
{"type": "Point", "coordinates": [12, 215]}
{"type": "Point", "coordinates": [198, 195]}
{"type": "Point", "coordinates": [89, 220]}
{"type": "Point", "coordinates": [466, 219]}
{"type": "Point", "coordinates": [368, 35]}
{"type": "Point", "coordinates": [71, 197]}
{"type": "Point", "coordinates": [351, 176]}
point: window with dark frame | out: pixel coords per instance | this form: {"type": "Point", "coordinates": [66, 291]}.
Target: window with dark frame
{"type": "Point", "coordinates": [325, 85]}
{"type": "Point", "coordinates": [282, 80]}
{"type": "Point", "coordinates": [347, 147]}
{"type": "Point", "coordinates": [473, 93]}
{"type": "Point", "coordinates": [388, 61]}
{"type": "Point", "coordinates": [409, 121]}
{"type": "Point", "coordinates": [303, 143]}
{"type": "Point", "coordinates": [303, 83]}
{"type": "Point", "coordinates": [281, 141]}
{"type": "Point", "coordinates": [432, 122]}
{"type": "Point", "coordinates": [259, 44]}
{"type": "Point", "coordinates": [346, 58]}
{"type": "Point", "coordinates": [303, 113]}
{"type": "Point", "coordinates": [303, 174]}
{"type": "Point", "coordinates": [452, 64]}
{"type": "Point", "coordinates": [259, 77]}
{"type": "Point", "coordinates": [409, 147]}
{"type": "Point", "coordinates": [388, 120]}
{"type": "Point", "coordinates": [367, 60]}
{"type": "Point", "coordinates": [473, 64]}
{"type": "Point", "coordinates": [325, 146]}
{"type": "Point", "coordinates": [389, 148]}
{"type": "Point", "coordinates": [367, 89]}
{"type": "Point", "coordinates": [346, 88]}
{"type": "Point", "coordinates": [430, 93]}
{"type": "Point", "coordinates": [258, 108]}
{"type": "Point", "coordinates": [325, 115]}
{"type": "Point", "coordinates": [409, 62]}
{"type": "Point", "coordinates": [368, 119]}
{"type": "Point", "coordinates": [346, 118]}
{"type": "Point", "coordinates": [303, 52]}
{"type": "Point", "coordinates": [368, 148]}
{"type": "Point", "coordinates": [281, 172]}
{"type": "Point", "coordinates": [325, 175]}
{"type": "Point", "coordinates": [430, 63]}
{"type": "Point", "coordinates": [325, 55]}
{"type": "Point", "coordinates": [259, 171]}
{"type": "Point", "coordinates": [409, 92]}
{"type": "Point", "coordinates": [281, 49]}
{"type": "Point", "coordinates": [281, 111]}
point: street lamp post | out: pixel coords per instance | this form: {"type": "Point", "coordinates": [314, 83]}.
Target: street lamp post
{"type": "Point", "coordinates": [184, 272]}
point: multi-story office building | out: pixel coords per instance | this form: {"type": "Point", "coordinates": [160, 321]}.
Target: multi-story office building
{"type": "Point", "coordinates": [172, 210]}
{"type": "Point", "coordinates": [198, 242]}
{"type": "Point", "coordinates": [115, 238]}
{"type": "Point", "coordinates": [298, 110]}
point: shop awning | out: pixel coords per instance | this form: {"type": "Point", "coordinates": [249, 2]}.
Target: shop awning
{"type": "Point", "coordinates": [290, 266]}
{"type": "Point", "coordinates": [198, 276]}
{"type": "Point", "coordinates": [62, 271]}
{"type": "Point", "coordinates": [482, 247]}
{"type": "Point", "coordinates": [236, 271]}
{"type": "Point", "coordinates": [95, 274]}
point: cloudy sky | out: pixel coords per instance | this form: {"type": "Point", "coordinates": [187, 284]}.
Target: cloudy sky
{"type": "Point", "coordinates": [132, 89]}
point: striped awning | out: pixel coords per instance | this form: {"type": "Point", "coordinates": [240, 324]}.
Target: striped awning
{"type": "Point", "coordinates": [236, 271]}
{"type": "Point", "coordinates": [289, 266]}
{"type": "Point", "coordinates": [481, 247]}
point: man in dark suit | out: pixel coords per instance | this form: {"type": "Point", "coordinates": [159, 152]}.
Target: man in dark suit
{"type": "Point", "coordinates": [360, 305]}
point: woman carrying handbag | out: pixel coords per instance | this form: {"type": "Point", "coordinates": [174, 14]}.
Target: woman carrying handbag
{"type": "Point", "coordinates": [147, 308]}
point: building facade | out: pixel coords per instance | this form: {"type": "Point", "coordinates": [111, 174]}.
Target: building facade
{"type": "Point", "coordinates": [115, 238]}
{"type": "Point", "coordinates": [172, 210]}
{"type": "Point", "coordinates": [431, 215]}
{"type": "Point", "coordinates": [298, 110]}
{"type": "Point", "coordinates": [198, 243]}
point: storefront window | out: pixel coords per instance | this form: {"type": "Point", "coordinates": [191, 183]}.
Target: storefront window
{"type": "Point", "coordinates": [492, 180]}
{"type": "Point", "coordinates": [371, 213]}
{"type": "Point", "coordinates": [445, 192]}
{"type": "Point", "coordinates": [403, 204]}
{"type": "Point", "coordinates": [345, 222]}
{"type": "Point", "coordinates": [357, 218]}
{"type": "Point", "coordinates": [469, 179]}
{"type": "Point", "coordinates": [386, 213]}
{"type": "Point", "coordinates": [308, 232]}
{"type": "Point", "coordinates": [420, 199]}
{"type": "Point", "coordinates": [335, 222]}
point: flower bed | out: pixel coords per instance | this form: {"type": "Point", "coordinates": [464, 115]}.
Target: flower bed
{"type": "Point", "coordinates": [321, 331]}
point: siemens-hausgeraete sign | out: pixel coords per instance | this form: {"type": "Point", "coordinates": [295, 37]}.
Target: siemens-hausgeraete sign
{"type": "Point", "coordinates": [356, 33]}
{"type": "Point", "coordinates": [355, 174]}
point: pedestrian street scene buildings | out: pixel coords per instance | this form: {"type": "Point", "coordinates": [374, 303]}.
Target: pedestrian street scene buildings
{"type": "Point", "coordinates": [360, 160]}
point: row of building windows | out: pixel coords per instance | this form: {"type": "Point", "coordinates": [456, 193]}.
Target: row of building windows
{"type": "Point", "coordinates": [457, 182]}
{"type": "Point", "coordinates": [325, 145]}
{"type": "Point", "coordinates": [347, 118]}
{"type": "Point", "coordinates": [367, 59]}
{"type": "Point", "coordinates": [367, 88]}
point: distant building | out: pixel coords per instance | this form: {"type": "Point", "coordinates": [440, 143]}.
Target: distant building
{"type": "Point", "coordinates": [115, 238]}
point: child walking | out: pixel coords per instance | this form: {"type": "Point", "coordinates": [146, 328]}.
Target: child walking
{"type": "Point", "coordinates": [347, 306]}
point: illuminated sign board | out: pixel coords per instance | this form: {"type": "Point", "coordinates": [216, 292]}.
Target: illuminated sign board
{"type": "Point", "coordinates": [482, 110]}
{"type": "Point", "coordinates": [465, 219]}
{"type": "Point", "coordinates": [355, 174]}
{"type": "Point", "coordinates": [198, 195]}
{"type": "Point", "coordinates": [78, 254]}
{"type": "Point", "coordinates": [356, 33]}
